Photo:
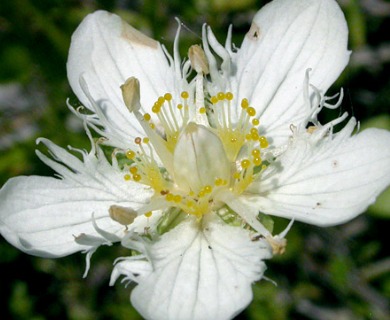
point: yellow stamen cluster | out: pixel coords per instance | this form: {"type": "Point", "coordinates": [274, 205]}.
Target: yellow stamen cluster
{"type": "Point", "coordinates": [144, 168]}
{"type": "Point", "coordinates": [234, 136]}
{"type": "Point", "coordinates": [198, 203]}
{"type": "Point", "coordinates": [163, 108]}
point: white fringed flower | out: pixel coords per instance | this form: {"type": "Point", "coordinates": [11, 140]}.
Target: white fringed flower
{"type": "Point", "coordinates": [200, 164]}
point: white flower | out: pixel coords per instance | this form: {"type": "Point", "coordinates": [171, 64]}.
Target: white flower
{"type": "Point", "coordinates": [196, 161]}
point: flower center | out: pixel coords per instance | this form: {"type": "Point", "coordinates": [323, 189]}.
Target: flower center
{"type": "Point", "coordinates": [195, 162]}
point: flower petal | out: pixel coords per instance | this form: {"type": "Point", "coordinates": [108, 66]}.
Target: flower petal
{"type": "Point", "coordinates": [327, 183]}
{"type": "Point", "coordinates": [43, 215]}
{"type": "Point", "coordinates": [200, 273]}
{"type": "Point", "coordinates": [288, 37]}
{"type": "Point", "coordinates": [105, 51]}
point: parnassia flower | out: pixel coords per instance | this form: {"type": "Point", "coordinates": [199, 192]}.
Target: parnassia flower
{"type": "Point", "coordinates": [204, 150]}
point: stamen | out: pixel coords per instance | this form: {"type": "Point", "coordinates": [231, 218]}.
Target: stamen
{"type": "Point", "coordinates": [124, 216]}
{"type": "Point", "coordinates": [130, 154]}
{"type": "Point", "coordinates": [263, 142]}
{"type": "Point", "coordinates": [133, 170]}
{"type": "Point", "coordinates": [131, 94]}
{"type": "Point", "coordinates": [251, 111]}
{"type": "Point", "coordinates": [234, 136]}
{"type": "Point", "coordinates": [137, 177]}
{"type": "Point", "coordinates": [245, 164]}
{"type": "Point", "coordinates": [184, 95]}
{"type": "Point", "coordinates": [145, 169]}
{"type": "Point", "coordinates": [198, 59]}
{"type": "Point", "coordinates": [214, 100]}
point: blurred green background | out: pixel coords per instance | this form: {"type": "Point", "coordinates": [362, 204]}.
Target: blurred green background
{"type": "Point", "coordinates": [326, 273]}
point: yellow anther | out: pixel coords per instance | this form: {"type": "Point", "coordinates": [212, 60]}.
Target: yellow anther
{"type": "Point", "coordinates": [255, 152]}
{"type": "Point", "coordinates": [180, 106]}
{"type": "Point", "coordinates": [255, 136]}
{"type": "Point", "coordinates": [244, 103]}
{"type": "Point", "coordinates": [127, 177]}
{"type": "Point", "coordinates": [257, 161]}
{"type": "Point", "coordinates": [251, 111]}
{"type": "Point", "coordinates": [185, 95]}
{"type": "Point", "coordinates": [218, 182]}
{"type": "Point", "coordinates": [148, 214]}
{"type": "Point", "coordinates": [137, 140]}
{"type": "Point", "coordinates": [236, 175]}
{"type": "Point", "coordinates": [214, 100]}
{"type": "Point", "coordinates": [248, 136]}
{"type": "Point", "coordinates": [156, 108]}
{"type": "Point", "coordinates": [130, 154]}
{"type": "Point", "coordinates": [253, 130]}
{"type": "Point", "coordinates": [263, 142]}
{"type": "Point", "coordinates": [201, 193]}
{"type": "Point", "coordinates": [152, 126]}
{"type": "Point", "coordinates": [177, 198]}
{"type": "Point", "coordinates": [255, 122]}
{"type": "Point", "coordinates": [208, 189]}
{"type": "Point", "coordinates": [145, 140]}
{"type": "Point", "coordinates": [202, 110]}
{"type": "Point", "coordinates": [133, 170]}
{"type": "Point", "coordinates": [245, 164]}
{"type": "Point", "coordinates": [161, 100]}
{"type": "Point", "coordinates": [220, 96]}
{"type": "Point", "coordinates": [168, 97]}
{"type": "Point", "coordinates": [147, 117]}
{"type": "Point", "coordinates": [136, 177]}
{"type": "Point", "coordinates": [229, 96]}
{"type": "Point", "coordinates": [169, 197]}
{"type": "Point", "coordinates": [190, 203]}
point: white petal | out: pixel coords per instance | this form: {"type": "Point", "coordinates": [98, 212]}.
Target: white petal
{"type": "Point", "coordinates": [288, 37]}
{"type": "Point", "coordinates": [105, 51]}
{"type": "Point", "coordinates": [248, 213]}
{"type": "Point", "coordinates": [200, 273]}
{"type": "Point", "coordinates": [42, 215]}
{"type": "Point", "coordinates": [328, 183]}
